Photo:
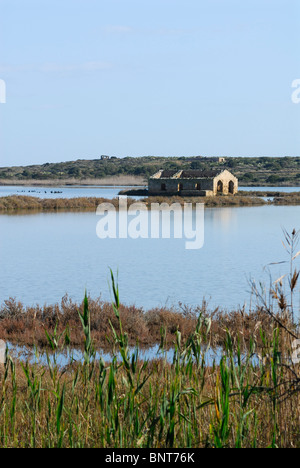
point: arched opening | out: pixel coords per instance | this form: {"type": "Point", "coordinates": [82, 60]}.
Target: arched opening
{"type": "Point", "coordinates": [163, 187]}
{"type": "Point", "coordinates": [180, 187]}
{"type": "Point", "coordinates": [220, 187]}
{"type": "Point", "coordinates": [231, 187]}
{"type": "Point", "coordinates": [198, 186]}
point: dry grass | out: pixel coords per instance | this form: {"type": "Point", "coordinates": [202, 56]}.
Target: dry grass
{"type": "Point", "coordinates": [241, 401]}
{"type": "Point", "coordinates": [25, 204]}
{"type": "Point", "coordinates": [279, 198]}
{"type": "Point", "coordinates": [26, 325]}
{"type": "Point", "coordinates": [217, 201]}
{"type": "Point", "coordinates": [287, 199]}
{"type": "Point", "coordinates": [22, 325]}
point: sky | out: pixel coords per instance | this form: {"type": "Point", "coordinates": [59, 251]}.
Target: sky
{"type": "Point", "coordinates": [148, 77]}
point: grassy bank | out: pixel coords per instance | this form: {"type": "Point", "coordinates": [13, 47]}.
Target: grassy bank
{"type": "Point", "coordinates": [18, 204]}
{"type": "Point", "coordinates": [26, 326]}
{"type": "Point", "coordinates": [241, 403]}
{"type": "Point", "coordinates": [25, 204]}
{"type": "Point", "coordinates": [210, 202]}
{"type": "Point", "coordinates": [248, 399]}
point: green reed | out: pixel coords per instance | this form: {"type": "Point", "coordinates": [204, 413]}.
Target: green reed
{"type": "Point", "coordinates": [247, 396]}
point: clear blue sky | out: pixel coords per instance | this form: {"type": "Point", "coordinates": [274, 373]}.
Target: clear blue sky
{"type": "Point", "coordinates": [148, 77]}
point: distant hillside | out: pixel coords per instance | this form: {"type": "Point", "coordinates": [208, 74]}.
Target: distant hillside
{"type": "Point", "coordinates": [250, 171]}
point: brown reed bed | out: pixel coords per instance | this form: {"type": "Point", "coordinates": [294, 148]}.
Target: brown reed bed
{"type": "Point", "coordinates": [210, 202]}
{"type": "Point", "coordinates": [277, 198]}
{"type": "Point", "coordinates": [287, 199]}
{"type": "Point", "coordinates": [18, 204]}
{"type": "Point", "coordinates": [24, 204]}
{"type": "Point", "coordinates": [26, 326]}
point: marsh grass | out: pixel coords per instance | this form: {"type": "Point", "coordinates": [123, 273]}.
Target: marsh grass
{"type": "Point", "coordinates": [25, 326]}
{"type": "Point", "coordinates": [25, 204]}
{"type": "Point", "coordinates": [249, 399]}
{"type": "Point", "coordinates": [131, 403]}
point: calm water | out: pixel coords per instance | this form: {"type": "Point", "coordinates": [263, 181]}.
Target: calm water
{"type": "Point", "coordinates": [271, 189]}
{"type": "Point", "coordinates": [44, 256]}
{"type": "Point", "coordinates": [63, 192]}
{"type": "Point", "coordinates": [24, 353]}
{"type": "Point", "coordinates": [98, 191]}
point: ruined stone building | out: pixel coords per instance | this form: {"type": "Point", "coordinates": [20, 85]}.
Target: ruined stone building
{"type": "Point", "coordinates": [193, 183]}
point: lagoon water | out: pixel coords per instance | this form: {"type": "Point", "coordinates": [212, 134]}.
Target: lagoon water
{"type": "Point", "coordinates": [110, 192]}
{"type": "Point", "coordinates": [72, 191]}
{"type": "Point", "coordinates": [44, 256]}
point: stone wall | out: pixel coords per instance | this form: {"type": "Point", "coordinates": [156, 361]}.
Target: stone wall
{"type": "Point", "coordinates": [227, 182]}
{"type": "Point", "coordinates": [175, 186]}
{"type": "Point", "coordinates": [224, 183]}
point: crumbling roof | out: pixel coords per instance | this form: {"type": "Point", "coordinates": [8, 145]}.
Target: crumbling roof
{"type": "Point", "coordinates": [189, 174]}
{"type": "Point", "coordinates": [197, 174]}
{"type": "Point", "coordinates": [168, 174]}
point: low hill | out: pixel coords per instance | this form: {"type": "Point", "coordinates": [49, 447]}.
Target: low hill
{"type": "Point", "coordinates": [268, 171]}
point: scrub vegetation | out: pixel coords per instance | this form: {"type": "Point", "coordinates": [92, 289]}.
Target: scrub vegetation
{"type": "Point", "coordinates": [266, 171]}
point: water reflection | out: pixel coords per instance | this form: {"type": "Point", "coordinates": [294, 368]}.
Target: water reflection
{"type": "Point", "coordinates": [45, 256]}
